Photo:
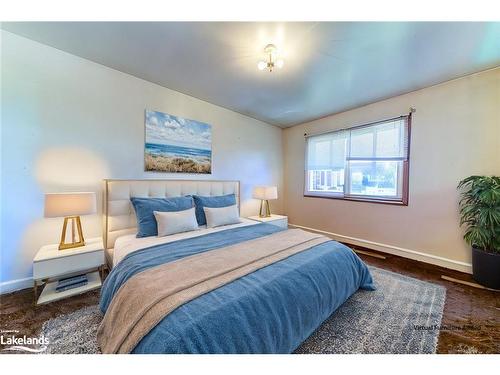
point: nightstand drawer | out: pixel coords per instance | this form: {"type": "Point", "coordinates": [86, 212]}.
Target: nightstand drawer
{"type": "Point", "coordinates": [282, 223]}
{"type": "Point", "coordinates": [277, 220]}
{"type": "Point", "coordinates": [67, 264]}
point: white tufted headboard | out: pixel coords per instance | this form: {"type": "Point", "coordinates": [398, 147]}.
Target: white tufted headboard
{"type": "Point", "coordinates": [119, 215]}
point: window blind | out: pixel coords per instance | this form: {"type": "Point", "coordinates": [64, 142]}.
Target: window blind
{"type": "Point", "coordinates": [368, 161]}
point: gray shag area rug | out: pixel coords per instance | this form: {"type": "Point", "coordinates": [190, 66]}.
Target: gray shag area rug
{"type": "Point", "coordinates": [402, 316]}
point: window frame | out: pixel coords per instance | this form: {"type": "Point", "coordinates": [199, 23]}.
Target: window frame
{"type": "Point", "coordinates": [402, 201]}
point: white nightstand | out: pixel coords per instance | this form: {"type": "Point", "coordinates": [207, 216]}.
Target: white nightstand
{"type": "Point", "coordinates": [51, 264]}
{"type": "Point", "coordinates": [278, 220]}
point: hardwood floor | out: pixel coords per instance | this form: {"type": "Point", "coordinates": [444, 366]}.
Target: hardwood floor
{"type": "Point", "coordinates": [471, 320]}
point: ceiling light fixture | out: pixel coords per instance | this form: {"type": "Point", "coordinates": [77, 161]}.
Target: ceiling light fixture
{"type": "Point", "coordinates": [272, 60]}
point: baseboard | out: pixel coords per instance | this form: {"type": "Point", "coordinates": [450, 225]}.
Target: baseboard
{"type": "Point", "coordinates": [394, 250]}
{"type": "Point", "coordinates": [14, 285]}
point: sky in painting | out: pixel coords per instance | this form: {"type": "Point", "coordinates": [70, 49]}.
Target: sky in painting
{"type": "Point", "coordinates": [162, 128]}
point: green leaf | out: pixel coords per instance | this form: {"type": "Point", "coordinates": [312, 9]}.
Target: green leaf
{"type": "Point", "coordinates": [479, 208]}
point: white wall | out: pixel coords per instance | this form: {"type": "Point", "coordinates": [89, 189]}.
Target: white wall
{"type": "Point", "coordinates": [68, 123]}
{"type": "Point", "coordinates": [455, 134]}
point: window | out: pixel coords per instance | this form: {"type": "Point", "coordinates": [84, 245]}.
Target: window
{"type": "Point", "coordinates": [368, 163]}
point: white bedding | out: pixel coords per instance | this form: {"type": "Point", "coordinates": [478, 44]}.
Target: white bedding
{"type": "Point", "coordinates": [125, 245]}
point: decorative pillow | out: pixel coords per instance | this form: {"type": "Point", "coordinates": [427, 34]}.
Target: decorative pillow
{"type": "Point", "coordinates": [175, 222]}
{"type": "Point", "coordinates": [217, 216]}
{"type": "Point", "coordinates": [216, 201]}
{"type": "Point", "coordinates": [144, 208]}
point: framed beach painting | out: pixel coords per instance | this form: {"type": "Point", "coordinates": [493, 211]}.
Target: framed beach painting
{"type": "Point", "coordinates": [176, 145]}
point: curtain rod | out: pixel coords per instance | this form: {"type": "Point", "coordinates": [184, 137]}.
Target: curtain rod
{"type": "Point", "coordinates": [412, 110]}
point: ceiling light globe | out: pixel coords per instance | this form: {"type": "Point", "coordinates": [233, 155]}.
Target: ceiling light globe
{"type": "Point", "coordinates": [280, 63]}
{"type": "Point", "coordinates": [261, 65]}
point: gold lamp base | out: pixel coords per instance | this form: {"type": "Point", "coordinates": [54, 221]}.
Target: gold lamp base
{"type": "Point", "coordinates": [267, 213]}
{"type": "Point", "coordinates": [75, 221]}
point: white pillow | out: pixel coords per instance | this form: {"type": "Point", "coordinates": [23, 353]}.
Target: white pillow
{"type": "Point", "coordinates": [175, 222]}
{"type": "Point", "coordinates": [217, 216]}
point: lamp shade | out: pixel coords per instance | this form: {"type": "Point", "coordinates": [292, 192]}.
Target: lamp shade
{"type": "Point", "coordinates": [265, 192]}
{"type": "Point", "coordinates": [69, 204]}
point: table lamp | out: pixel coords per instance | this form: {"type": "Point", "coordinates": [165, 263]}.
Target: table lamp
{"type": "Point", "coordinates": [265, 193]}
{"type": "Point", "coordinates": [70, 206]}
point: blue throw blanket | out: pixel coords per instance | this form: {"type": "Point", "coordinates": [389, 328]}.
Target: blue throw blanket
{"type": "Point", "coordinates": [272, 310]}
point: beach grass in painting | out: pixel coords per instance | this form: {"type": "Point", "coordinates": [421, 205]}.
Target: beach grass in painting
{"type": "Point", "coordinates": [177, 145]}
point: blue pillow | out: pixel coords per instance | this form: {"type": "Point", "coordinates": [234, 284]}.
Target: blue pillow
{"type": "Point", "coordinates": [144, 207]}
{"type": "Point", "coordinates": [216, 201]}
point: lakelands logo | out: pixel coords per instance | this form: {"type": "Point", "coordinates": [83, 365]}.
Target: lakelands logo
{"type": "Point", "coordinates": [23, 343]}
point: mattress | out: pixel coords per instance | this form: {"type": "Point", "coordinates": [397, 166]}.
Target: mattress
{"type": "Point", "coordinates": [127, 244]}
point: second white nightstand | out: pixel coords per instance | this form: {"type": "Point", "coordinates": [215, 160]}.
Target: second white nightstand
{"type": "Point", "coordinates": [51, 264]}
{"type": "Point", "coordinates": [278, 220]}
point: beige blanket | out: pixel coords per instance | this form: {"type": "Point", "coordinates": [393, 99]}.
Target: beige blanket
{"type": "Point", "coordinates": [146, 298]}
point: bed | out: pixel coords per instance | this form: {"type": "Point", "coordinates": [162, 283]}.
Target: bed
{"type": "Point", "coordinates": [173, 294]}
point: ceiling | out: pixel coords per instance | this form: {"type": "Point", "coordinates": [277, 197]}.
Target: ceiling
{"type": "Point", "coordinates": [329, 66]}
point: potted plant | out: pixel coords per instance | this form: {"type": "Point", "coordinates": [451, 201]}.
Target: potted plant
{"type": "Point", "coordinates": [480, 214]}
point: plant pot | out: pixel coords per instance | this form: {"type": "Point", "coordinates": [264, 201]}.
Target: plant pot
{"type": "Point", "coordinates": [486, 268]}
